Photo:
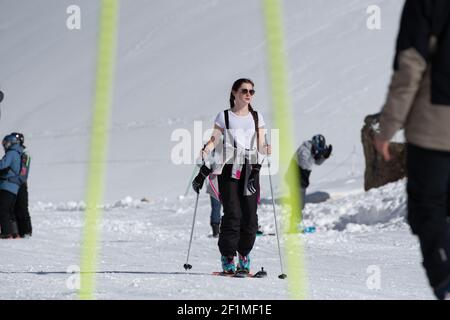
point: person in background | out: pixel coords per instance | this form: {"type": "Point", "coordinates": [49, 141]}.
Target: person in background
{"type": "Point", "coordinates": [21, 212]}
{"type": "Point", "coordinates": [311, 152]}
{"type": "Point", "coordinates": [216, 208]}
{"type": "Point", "coordinates": [418, 100]}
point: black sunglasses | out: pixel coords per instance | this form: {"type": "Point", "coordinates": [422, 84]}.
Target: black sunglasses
{"type": "Point", "coordinates": [245, 91]}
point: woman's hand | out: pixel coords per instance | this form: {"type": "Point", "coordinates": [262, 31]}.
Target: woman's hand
{"type": "Point", "coordinates": [204, 152]}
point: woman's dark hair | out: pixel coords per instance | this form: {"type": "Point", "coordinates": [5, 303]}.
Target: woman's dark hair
{"type": "Point", "coordinates": [236, 85]}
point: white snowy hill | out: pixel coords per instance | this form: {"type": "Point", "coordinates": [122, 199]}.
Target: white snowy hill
{"type": "Point", "coordinates": [176, 62]}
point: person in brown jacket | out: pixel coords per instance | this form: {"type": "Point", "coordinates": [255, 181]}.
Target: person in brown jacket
{"type": "Point", "coordinates": [418, 101]}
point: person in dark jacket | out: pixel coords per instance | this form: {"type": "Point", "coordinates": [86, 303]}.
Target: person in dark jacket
{"type": "Point", "coordinates": [21, 212]}
{"type": "Point", "coordinates": [419, 102]}
{"type": "Point", "coordinates": [9, 172]}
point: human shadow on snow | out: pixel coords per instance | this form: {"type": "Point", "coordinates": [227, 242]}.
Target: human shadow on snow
{"type": "Point", "coordinates": [315, 197]}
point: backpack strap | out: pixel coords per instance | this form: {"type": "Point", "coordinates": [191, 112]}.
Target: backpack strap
{"type": "Point", "coordinates": [439, 30]}
{"type": "Point", "coordinates": [225, 132]}
{"type": "Point", "coordinates": [227, 124]}
{"type": "Point", "coordinates": [227, 120]}
{"type": "Point", "coordinates": [255, 119]}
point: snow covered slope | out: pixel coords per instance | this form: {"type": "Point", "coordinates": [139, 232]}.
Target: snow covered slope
{"type": "Point", "coordinates": [144, 247]}
{"type": "Point", "coordinates": [176, 62]}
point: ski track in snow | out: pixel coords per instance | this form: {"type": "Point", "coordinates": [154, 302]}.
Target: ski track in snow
{"type": "Point", "coordinates": [144, 246]}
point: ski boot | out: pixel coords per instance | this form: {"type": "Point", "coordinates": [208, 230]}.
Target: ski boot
{"type": "Point", "coordinates": [259, 232]}
{"type": "Point", "coordinates": [244, 264]}
{"type": "Point", "coordinates": [228, 265]}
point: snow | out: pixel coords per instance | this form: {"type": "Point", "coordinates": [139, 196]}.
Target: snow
{"type": "Point", "coordinates": [176, 62]}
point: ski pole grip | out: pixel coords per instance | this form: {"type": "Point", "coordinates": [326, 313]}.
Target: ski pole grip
{"type": "Point", "coordinates": [203, 149]}
{"type": "Point", "coordinates": [267, 143]}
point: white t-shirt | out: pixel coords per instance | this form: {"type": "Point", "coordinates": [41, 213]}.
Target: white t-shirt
{"type": "Point", "coordinates": [242, 128]}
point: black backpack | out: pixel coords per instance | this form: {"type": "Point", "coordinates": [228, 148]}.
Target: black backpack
{"type": "Point", "coordinates": [22, 176]}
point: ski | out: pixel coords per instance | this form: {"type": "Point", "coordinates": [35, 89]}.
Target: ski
{"type": "Point", "coordinates": [306, 230]}
{"type": "Point", "coordinates": [259, 274]}
{"type": "Point", "coordinates": [229, 275]}
{"type": "Point", "coordinates": [262, 234]}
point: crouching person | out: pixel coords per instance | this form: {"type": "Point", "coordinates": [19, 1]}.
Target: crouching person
{"type": "Point", "coordinates": [10, 166]}
{"type": "Point", "coordinates": [310, 153]}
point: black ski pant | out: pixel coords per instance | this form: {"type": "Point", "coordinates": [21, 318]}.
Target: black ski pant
{"type": "Point", "coordinates": [22, 213]}
{"type": "Point", "coordinates": [7, 220]}
{"type": "Point", "coordinates": [299, 190]}
{"type": "Point", "coordinates": [429, 210]}
{"type": "Point", "coordinates": [240, 219]}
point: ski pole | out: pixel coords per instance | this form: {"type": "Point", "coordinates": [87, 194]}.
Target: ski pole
{"type": "Point", "coordinates": [282, 275]}
{"type": "Point", "coordinates": [187, 266]}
